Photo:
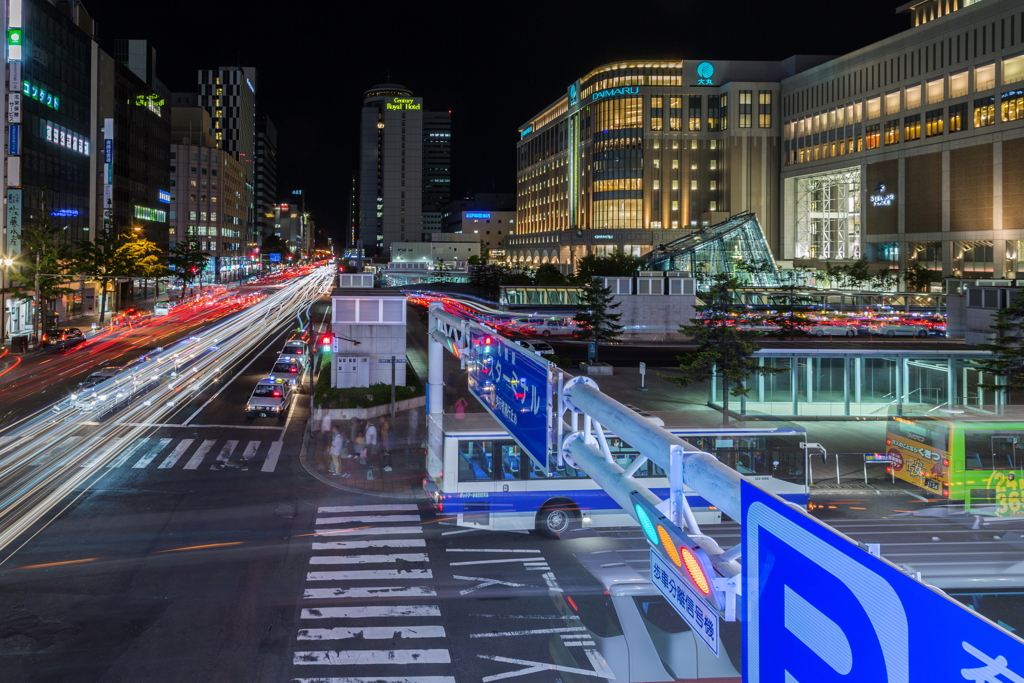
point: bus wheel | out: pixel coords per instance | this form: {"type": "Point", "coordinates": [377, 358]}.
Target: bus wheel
{"type": "Point", "coordinates": [554, 521]}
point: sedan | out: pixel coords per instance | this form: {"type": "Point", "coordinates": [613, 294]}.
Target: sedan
{"type": "Point", "coordinates": [832, 330]}
{"type": "Point", "coordinates": [540, 348]}
{"type": "Point", "coordinates": [899, 330]}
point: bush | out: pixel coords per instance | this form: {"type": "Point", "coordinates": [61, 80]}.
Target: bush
{"type": "Point", "coordinates": [362, 397]}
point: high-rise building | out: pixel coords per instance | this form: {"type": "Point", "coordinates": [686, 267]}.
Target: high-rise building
{"type": "Point", "coordinates": [229, 94]}
{"type": "Point", "coordinates": [437, 168]}
{"type": "Point", "coordinates": [404, 168]}
{"type": "Point", "coordinates": [266, 174]}
{"type": "Point", "coordinates": [637, 154]}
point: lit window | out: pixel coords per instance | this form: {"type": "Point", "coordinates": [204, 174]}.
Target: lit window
{"type": "Point", "coordinates": [714, 145]}
{"type": "Point", "coordinates": [675, 205]}
{"type": "Point", "coordinates": [1012, 105]}
{"type": "Point", "coordinates": [675, 163]}
{"type": "Point", "coordinates": [984, 77]}
{"type": "Point", "coordinates": [655, 184]}
{"type": "Point", "coordinates": [958, 84]}
{"type": "Point", "coordinates": [913, 97]}
{"type": "Point", "coordinates": [874, 108]}
{"type": "Point", "coordinates": [984, 112]}
{"type": "Point", "coordinates": [713, 206]}
{"type": "Point", "coordinates": [675, 144]}
{"type": "Point", "coordinates": [675, 184]}
{"type": "Point", "coordinates": [693, 184]}
{"type": "Point", "coordinates": [713, 185]}
{"type": "Point", "coordinates": [892, 102]}
{"type": "Point", "coordinates": [656, 163]}
{"type": "Point", "coordinates": [713, 163]}
{"type": "Point", "coordinates": [935, 90]}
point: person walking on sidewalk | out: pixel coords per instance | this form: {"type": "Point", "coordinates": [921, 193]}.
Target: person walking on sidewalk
{"type": "Point", "coordinates": [337, 444]}
{"type": "Point", "coordinates": [371, 441]}
{"type": "Point", "coordinates": [385, 435]}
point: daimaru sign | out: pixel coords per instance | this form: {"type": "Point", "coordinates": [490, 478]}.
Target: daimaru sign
{"type": "Point", "coordinates": [613, 92]}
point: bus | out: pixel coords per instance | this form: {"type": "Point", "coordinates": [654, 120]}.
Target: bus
{"type": "Point", "coordinates": [965, 454]}
{"type": "Point", "coordinates": [478, 475]}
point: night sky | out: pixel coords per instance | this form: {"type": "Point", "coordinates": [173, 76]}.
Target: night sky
{"type": "Point", "coordinates": [493, 64]}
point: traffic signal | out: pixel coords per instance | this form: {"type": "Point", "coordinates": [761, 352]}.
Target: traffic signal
{"type": "Point", "coordinates": [326, 341]}
{"type": "Point", "coordinates": [690, 561]}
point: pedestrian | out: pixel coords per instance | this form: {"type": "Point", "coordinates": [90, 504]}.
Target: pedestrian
{"type": "Point", "coordinates": [337, 444]}
{"type": "Point", "coordinates": [414, 424]}
{"type": "Point", "coordinates": [385, 436]}
{"type": "Point", "coordinates": [325, 423]}
{"type": "Point", "coordinates": [360, 448]}
{"type": "Point", "coordinates": [460, 408]}
{"type": "Point", "coordinates": [371, 439]}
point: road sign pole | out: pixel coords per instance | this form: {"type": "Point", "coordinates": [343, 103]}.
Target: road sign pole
{"type": "Point", "coordinates": [643, 376]}
{"type": "Point", "coordinates": [393, 364]}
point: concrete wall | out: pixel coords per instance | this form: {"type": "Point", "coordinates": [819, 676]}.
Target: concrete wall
{"type": "Point", "coordinates": [659, 317]}
{"type": "Point", "coordinates": [378, 342]}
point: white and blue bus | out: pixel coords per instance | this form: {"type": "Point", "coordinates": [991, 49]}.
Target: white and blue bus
{"type": "Point", "coordinates": [480, 477]}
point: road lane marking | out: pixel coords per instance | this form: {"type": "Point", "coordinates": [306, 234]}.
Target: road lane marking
{"type": "Point", "coordinates": [370, 575]}
{"type": "Point", "coordinates": [371, 531]}
{"type": "Point", "coordinates": [368, 508]}
{"type": "Point", "coordinates": [503, 561]}
{"type": "Point", "coordinates": [601, 671]}
{"type": "Point", "coordinates": [371, 592]}
{"type": "Point", "coordinates": [377, 679]}
{"type": "Point", "coordinates": [363, 657]}
{"type": "Point", "coordinates": [151, 455]}
{"type": "Point", "coordinates": [272, 455]}
{"type": "Point", "coordinates": [102, 452]}
{"type": "Point", "coordinates": [173, 425]}
{"type": "Point", "coordinates": [250, 450]}
{"type": "Point", "coordinates": [371, 632]}
{"type": "Point", "coordinates": [534, 632]}
{"type": "Point", "coordinates": [178, 451]}
{"type": "Point", "coordinates": [127, 453]}
{"type": "Point", "coordinates": [484, 583]}
{"type": "Point", "coordinates": [67, 441]}
{"type": "Point", "coordinates": [373, 611]}
{"type": "Point", "coordinates": [384, 543]}
{"type": "Point", "coordinates": [458, 531]}
{"type": "Point", "coordinates": [198, 456]}
{"type": "Point", "coordinates": [367, 559]}
{"type": "Point", "coordinates": [226, 451]}
{"type": "Point", "coordinates": [367, 519]}
{"type": "Point", "coordinates": [489, 550]}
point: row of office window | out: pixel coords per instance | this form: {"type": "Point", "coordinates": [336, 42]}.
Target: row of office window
{"type": "Point", "coordinates": [910, 97]}
{"type": "Point", "coordinates": [685, 113]}
{"type": "Point", "coordinates": [933, 124]}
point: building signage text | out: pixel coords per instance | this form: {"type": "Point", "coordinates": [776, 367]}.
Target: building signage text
{"type": "Point", "coordinates": [163, 196]}
{"type": "Point", "coordinates": [13, 221]}
{"type": "Point", "coordinates": [148, 214]}
{"type": "Point", "coordinates": [604, 237]}
{"type": "Point", "coordinates": [14, 139]}
{"type": "Point", "coordinates": [40, 94]}
{"type": "Point", "coordinates": [477, 214]}
{"type": "Point", "coordinates": [881, 197]}
{"type": "Point", "coordinates": [705, 70]}
{"type": "Point", "coordinates": [612, 92]}
{"type": "Point", "coordinates": [403, 103]}
{"type": "Point", "coordinates": [14, 107]}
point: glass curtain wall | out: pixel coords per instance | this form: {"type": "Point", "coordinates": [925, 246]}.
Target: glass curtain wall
{"type": "Point", "coordinates": [828, 215]}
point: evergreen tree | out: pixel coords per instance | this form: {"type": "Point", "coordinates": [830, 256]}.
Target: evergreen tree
{"type": "Point", "coordinates": [619, 264]}
{"type": "Point", "coordinates": [594, 313]}
{"type": "Point", "coordinates": [1007, 349]}
{"type": "Point", "coordinates": [188, 262]}
{"type": "Point", "coordinates": [724, 349]}
{"type": "Point", "coordinates": [789, 312]}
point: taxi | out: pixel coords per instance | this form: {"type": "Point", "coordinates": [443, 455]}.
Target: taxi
{"type": "Point", "coordinates": [289, 368]}
{"type": "Point", "coordinates": [271, 398]}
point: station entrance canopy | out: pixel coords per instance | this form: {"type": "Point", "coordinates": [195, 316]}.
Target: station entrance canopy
{"type": "Point", "coordinates": [721, 248]}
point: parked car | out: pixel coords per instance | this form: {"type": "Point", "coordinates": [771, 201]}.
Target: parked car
{"type": "Point", "coordinates": [897, 329]}
{"type": "Point", "coordinates": [538, 347]}
{"type": "Point", "coordinates": [549, 328]}
{"type": "Point", "coordinates": [830, 329]}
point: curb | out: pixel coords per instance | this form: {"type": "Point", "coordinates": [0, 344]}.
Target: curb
{"type": "Point", "coordinates": [848, 492]}
{"type": "Point", "coordinates": [312, 471]}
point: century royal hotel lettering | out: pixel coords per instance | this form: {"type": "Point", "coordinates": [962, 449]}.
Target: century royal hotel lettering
{"type": "Point", "coordinates": [403, 103]}
{"type": "Point", "coordinates": [647, 151]}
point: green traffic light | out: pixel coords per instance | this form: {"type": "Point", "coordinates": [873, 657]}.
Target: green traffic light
{"type": "Point", "coordinates": [646, 524]}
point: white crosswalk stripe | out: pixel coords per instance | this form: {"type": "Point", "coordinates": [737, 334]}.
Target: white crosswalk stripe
{"type": "Point", "coordinates": [120, 451]}
{"type": "Point", "coordinates": [395, 575]}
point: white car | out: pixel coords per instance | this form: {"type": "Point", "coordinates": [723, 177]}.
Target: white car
{"type": "Point", "coordinates": [832, 330]}
{"type": "Point", "coordinates": [899, 330]}
{"type": "Point", "coordinates": [297, 350]}
{"type": "Point", "coordinates": [549, 328]}
{"type": "Point", "coordinates": [540, 348]}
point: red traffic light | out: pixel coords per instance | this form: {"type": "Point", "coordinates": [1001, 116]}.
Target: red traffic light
{"type": "Point", "coordinates": [326, 340]}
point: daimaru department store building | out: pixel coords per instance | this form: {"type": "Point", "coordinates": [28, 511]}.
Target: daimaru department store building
{"type": "Point", "coordinates": [910, 150]}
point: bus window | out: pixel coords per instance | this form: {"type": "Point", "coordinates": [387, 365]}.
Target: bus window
{"type": "Point", "coordinates": [537, 472]}
{"type": "Point", "coordinates": [475, 459]}
{"type": "Point", "coordinates": [985, 450]}
{"type": "Point", "coordinates": [510, 459]}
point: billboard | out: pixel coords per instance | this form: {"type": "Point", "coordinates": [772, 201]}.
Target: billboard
{"type": "Point", "coordinates": [275, 258]}
{"type": "Point", "coordinates": [820, 608]}
{"type": "Point", "coordinates": [514, 385]}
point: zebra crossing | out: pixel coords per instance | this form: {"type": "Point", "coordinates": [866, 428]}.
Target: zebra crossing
{"type": "Point", "coordinates": [142, 453]}
{"type": "Point", "coordinates": [373, 555]}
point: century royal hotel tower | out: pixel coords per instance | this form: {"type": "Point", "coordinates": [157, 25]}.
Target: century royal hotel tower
{"type": "Point", "coordinates": [637, 154]}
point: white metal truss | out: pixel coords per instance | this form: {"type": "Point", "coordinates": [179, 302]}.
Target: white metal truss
{"type": "Point", "coordinates": [828, 215]}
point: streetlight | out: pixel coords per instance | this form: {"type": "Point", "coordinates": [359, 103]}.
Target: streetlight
{"type": "Point", "coordinates": [5, 263]}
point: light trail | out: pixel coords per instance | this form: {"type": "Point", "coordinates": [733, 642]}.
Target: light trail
{"type": "Point", "coordinates": [43, 460]}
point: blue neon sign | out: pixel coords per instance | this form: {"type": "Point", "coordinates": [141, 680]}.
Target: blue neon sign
{"type": "Point", "coordinates": [705, 70]}
{"type": "Point", "coordinates": [64, 212]}
{"type": "Point", "coordinates": [612, 92]}
{"type": "Point", "coordinates": [477, 214]}
{"type": "Point", "coordinates": [164, 196]}
{"type": "Point", "coordinates": [526, 131]}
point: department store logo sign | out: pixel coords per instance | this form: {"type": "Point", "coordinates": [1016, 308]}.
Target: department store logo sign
{"type": "Point", "coordinates": [572, 94]}
{"type": "Point", "coordinates": [881, 197]}
{"type": "Point", "coordinates": [705, 70]}
{"type": "Point", "coordinates": [612, 92]}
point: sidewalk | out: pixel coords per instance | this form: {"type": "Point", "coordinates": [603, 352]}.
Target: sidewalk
{"type": "Point", "coordinates": [408, 459]}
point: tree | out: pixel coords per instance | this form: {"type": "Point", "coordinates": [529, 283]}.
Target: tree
{"type": "Point", "coordinates": [272, 244]}
{"type": "Point", "coordinates": [45, 262]}
{"type": "Point", "coordinates": [1007, 348]}
{"type": "Point", "coordinates": [474, 260]}
{"type": "Point", "coordinates": [917, 278]}
{"type": "Point", "coordinates": [486, 279]}
{"type": "Point", "coordinates": [188, 262]}
{"type": "Point", "coordinates": [594, 313]}
{"type": "Point", "coordinates": [548, 275]}
{"type": "Point", "coordinates": [619, 264]}
{"type": "Point", "coordinates": [789, 312]}
{"type": "Point", "coordinates": [723, 349]}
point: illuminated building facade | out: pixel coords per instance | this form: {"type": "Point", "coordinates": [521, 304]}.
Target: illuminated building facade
{"type": "Point", "coordinates": [637, 154]}
{"type": "Point", "coordinates": [911, 150]}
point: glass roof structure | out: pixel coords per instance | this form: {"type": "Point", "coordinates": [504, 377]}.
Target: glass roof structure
{"type": "Point", "coordinates": [736, 246]}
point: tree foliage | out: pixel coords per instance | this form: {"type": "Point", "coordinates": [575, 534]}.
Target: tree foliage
{"type": "Point", "coordinates": [917, 278]}
{"type": "Point", "coordinates": [187, 261]}
{"type": "Point", "coordinates": [723, 349]}
{"type": "Point", "coordinates": [619, 264]}
{"type": "Point", "coordinates": [1006, 347]}
{"type": "Point", "coordinates": [595, 313]}
{"type": "Point", "coordinates": [548, 275]}
{"type": "Point", "coordinates": [789, 312]}
{"type": "Point", "coordinates": [44, 264]}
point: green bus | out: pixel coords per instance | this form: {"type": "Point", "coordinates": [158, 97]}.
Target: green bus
{"type": "Point", "coordinates": [973, 455]}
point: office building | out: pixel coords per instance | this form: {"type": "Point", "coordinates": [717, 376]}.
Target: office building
{"type": "Point", "coordinates": [207, 203]}
{"type": "Point", "coordinates": [437, 168]}
{"type": "Point", "coordinates": [404, 168]}
{"type": "Point", "coordinates": [490, 229]}
{"type": "Point", "coordinates": [136, 122]}
{"type": "Point", "coordinates": [911, 150]}
{"type": "Point", "coordinates": [453, 211]}
{"type": "Point", "coordinates": [228, 93]}
{"type": "Point", "coordinates": [265, 188]}
{"type": "Point", "coordinates": [635, 154]}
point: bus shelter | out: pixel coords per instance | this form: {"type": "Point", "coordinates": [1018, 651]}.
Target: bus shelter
{"type": "Point", "coordinates": [862, 382]}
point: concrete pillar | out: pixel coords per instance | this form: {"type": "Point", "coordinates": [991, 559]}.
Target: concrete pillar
{"type": "Point", "coordinates": [794, 384]}
{"type": "Point", "coordinates": [951, 397]}
{"type": "Point", "coordinates": [435, 369]}
{"type": "Point", "coordinates": [846, 386]}
{"type": "Point", "coordinates": [760, 382]}
{"type": "Point", "coordinates": [809, 372]}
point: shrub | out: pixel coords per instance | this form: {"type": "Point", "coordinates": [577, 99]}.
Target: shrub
{"type": "Point", "coordinates": [363, 397]}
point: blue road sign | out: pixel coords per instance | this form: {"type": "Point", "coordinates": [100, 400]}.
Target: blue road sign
{"type": "Point", "coordinates": [820, 608]}
{"type": "Point", "coordinates": [690, 606]}
{"type": "Point", "coordinates": [513, 385]}
{"type": "Point", "coordinates": [276, 258]}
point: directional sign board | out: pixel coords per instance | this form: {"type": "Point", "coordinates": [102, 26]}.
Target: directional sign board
{"type": "Point", "coordinates": [690, 606]}
{"type": "Point", "coordinates": [514, 385]}
{"type": "Point", "coordinates": [820, 608]}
